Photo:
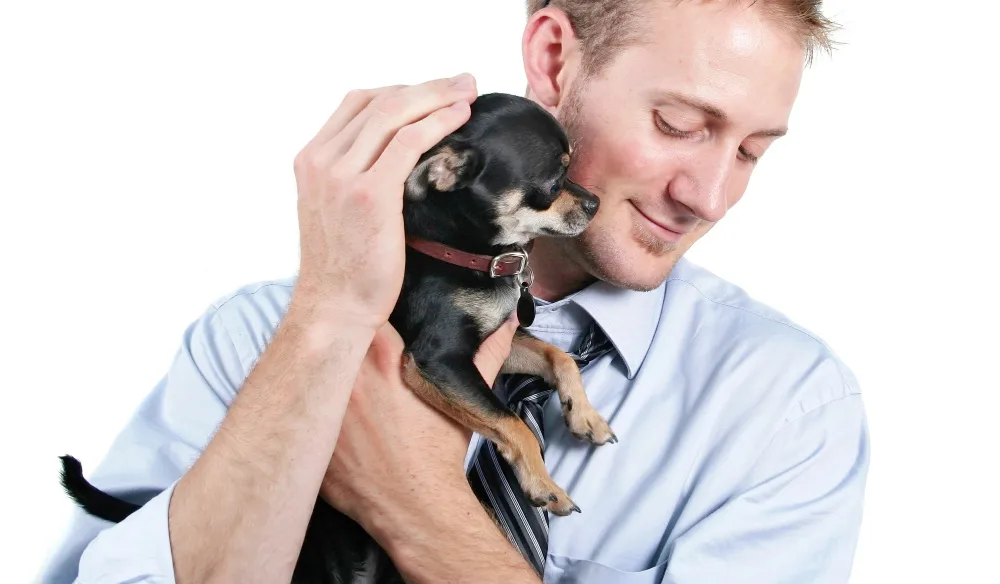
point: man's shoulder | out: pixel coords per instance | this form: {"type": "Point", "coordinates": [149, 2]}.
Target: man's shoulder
{"type": "Point", "coordinates": [272, 294]}
{"type": "Point", "coordinates": [248, 315]}
{"type": "Point", "coordinates": [753, 344]}
{"type": "Point", "coordinates": [733, 302]}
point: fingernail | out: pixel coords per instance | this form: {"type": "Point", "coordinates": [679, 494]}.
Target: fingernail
{"type": "Point", "coordinates": [463, 81]}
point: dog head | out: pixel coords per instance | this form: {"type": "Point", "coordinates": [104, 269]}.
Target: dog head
{"type": "Point", "coordinates": [502, 176]}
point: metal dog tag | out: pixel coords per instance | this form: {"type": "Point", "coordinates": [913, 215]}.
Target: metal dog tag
{"type": "Point", "coordinates": [526, 306]}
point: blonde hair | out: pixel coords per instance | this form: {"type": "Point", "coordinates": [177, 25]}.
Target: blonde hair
{"type": "Point", "coordinates": [605, 27]}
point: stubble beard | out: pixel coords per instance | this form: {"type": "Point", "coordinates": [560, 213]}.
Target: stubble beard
{"type": "Point", "coordinates": [653, 245]}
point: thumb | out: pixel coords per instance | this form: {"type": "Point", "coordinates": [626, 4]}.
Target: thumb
{"type": "Point", "coordinates": [495, 349]}
{"type": "Point", "coordinates": [509, 327]}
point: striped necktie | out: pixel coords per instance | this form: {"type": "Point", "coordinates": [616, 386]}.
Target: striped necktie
{"type": "Point", "coordinates": [492, 478]}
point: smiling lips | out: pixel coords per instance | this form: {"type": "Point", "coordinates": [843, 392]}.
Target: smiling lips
{"type": "Point", "coordinates": [662, 229]}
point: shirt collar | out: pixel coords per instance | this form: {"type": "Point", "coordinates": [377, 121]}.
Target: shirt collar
{"type": "Point", "coordinates": [628, 317]}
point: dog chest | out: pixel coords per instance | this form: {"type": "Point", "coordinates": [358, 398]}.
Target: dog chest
{"type": "Point", "coordinates": [489, 307]}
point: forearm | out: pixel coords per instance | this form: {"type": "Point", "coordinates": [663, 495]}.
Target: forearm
{"type": "Point", "coordinates": [449, 540]}
{"type": "Point", "coordinates": [240, 513]}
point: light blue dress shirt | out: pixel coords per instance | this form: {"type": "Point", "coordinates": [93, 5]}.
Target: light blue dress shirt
{"type": "Point", "coordinates": [742, 456]}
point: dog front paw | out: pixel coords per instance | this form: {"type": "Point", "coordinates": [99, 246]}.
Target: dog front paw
{"type": "Point", "coordinates": [545, 493]}
{"type": "Point", "coordinates": [586, 423]}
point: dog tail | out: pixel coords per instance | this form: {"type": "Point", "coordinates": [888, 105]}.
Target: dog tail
{"type": "Point", "coordinates": [93, 500]}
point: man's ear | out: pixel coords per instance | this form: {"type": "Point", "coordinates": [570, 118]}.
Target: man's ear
{"type": "Point", "coordinates": [448, 169]}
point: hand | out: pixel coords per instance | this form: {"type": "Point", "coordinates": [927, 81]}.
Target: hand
{"type": "Point", "coordinates": [393, 448]}
{"type": "Point", "coordinates": [350, 184]}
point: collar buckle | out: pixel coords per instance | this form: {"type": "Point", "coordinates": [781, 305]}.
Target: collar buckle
{"type": "Point", "coordinates": [504, 264]}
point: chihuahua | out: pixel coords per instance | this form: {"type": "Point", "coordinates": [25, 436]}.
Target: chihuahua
{"type": "Point", "coordinates": [472, 206]}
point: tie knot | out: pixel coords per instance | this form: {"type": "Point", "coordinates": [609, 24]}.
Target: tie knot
{"type": "Point", "coordinates": [594, 344]}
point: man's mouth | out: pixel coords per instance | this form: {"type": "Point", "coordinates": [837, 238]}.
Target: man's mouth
{"type": "Point", "coordinates": [661, 229]}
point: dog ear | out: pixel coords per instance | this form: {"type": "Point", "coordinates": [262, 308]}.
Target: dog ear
{"type": "Point", "coordinates": [447, 169]}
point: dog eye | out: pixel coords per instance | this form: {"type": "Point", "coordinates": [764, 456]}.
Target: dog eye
{"type": "Point", "coordinates": [556, 187]}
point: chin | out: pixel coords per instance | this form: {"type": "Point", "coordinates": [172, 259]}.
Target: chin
{"type": "Point", "coordinates": [622, 259]}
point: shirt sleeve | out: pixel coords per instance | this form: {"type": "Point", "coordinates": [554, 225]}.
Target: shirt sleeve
{"type": "Point", "coordinates": [159, 443]}
{"type": "Point", "coordinates": [797, 514]}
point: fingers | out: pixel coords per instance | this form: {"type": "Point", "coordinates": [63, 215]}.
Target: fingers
{"type": "Point", "coordinates": [337, 145]}
{"type": "Point", "coordinates": [408, 120]}
{"type": "Point", "coordinates": [492, 354]}
{"type": "Point", "coordinates": [392, 112]}
{"type": "Point", "coordinates": [329, 142]}
{"type": "Point", "coordinates": [507, 329]}
{"type": "Point", "coordinates": [355, 102]}
{"type": "Point", "coordinates": [410, 142]}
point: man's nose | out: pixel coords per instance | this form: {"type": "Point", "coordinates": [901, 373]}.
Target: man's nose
{"type": "Point", "coordinates": [703, 186]}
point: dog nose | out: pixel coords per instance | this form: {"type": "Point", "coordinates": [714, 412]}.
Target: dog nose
{"type": "Point", "coordinates": [590, 203]}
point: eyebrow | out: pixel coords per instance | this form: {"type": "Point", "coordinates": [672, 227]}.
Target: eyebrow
{"type": "Point", "coordinates": [718, 114]}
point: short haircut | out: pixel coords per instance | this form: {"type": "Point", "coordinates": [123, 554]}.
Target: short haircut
{"type": "Point", "coordinates": [605, 27]}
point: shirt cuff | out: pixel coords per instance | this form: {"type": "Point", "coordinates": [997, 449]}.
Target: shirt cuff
{"type": "Point", "coordinates": [137, 550]}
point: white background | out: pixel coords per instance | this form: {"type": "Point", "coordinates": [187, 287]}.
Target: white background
{"type": "Point", "coordinates": [146, 168]}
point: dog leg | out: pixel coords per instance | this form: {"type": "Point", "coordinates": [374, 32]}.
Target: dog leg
{"type": "Point", "coordinates": [531, 356]}
{"type": "Point", "coordinates": [456, 387]}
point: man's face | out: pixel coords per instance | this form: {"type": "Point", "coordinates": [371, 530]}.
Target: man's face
{"type": "Point", "coordinates": [667, 134]}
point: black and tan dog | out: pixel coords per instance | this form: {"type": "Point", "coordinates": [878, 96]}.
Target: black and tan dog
{"type": "Point", "coordinates": [472, 205]}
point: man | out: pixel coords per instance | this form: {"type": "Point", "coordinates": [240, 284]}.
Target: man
{"type": "Point", "coordinates": [743, 447]}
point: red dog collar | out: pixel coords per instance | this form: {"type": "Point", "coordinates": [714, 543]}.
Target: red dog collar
{"type": "Point", "coordinates": [512, 263]}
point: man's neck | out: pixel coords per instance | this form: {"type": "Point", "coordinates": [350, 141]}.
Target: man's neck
{"type": "Point", "coordinates": [556, 274]}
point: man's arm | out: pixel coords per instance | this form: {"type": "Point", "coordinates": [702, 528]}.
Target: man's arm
{"type": "Point", "coordinates": [240, 513]}
{"type": "Point", "coordinates": [450, 539]}
{"type": "Point", "coordinates": [179, 417]}
{"type": "Point", "coordinates": [156, 446]}
{"type": "Point", "coordinates": [246, 500]}
{"type": "Point", "coordinates": [797, 515]}
{"type": "Point", "coordinates": [399, 471]}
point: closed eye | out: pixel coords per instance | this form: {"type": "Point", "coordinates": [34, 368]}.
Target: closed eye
{"type": "Point", "coordinates": [748, 156]}
{"type": "Point", "coordinates": [672, 131]}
